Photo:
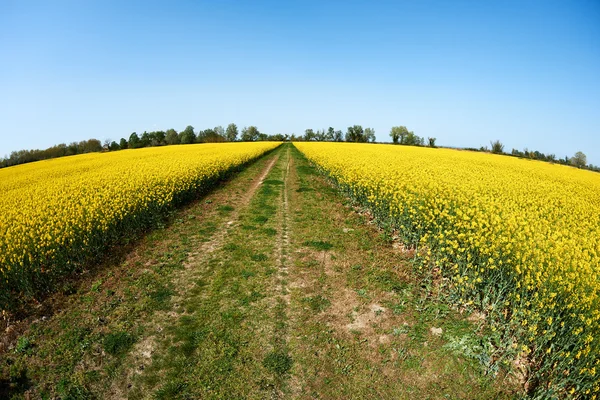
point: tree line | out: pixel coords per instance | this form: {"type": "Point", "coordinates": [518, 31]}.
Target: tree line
{"type": "Point", "coordinates": [578, 160]}
{"type": "Point", "coordinates": [146, 139]}
{"type": "Point", "coordinates": [400, 135]}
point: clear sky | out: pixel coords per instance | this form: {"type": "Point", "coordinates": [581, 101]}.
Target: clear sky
{"type": "Point", "coordinates": [466, 72]}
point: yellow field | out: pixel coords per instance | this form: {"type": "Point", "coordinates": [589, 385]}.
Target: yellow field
{"type": "Point", "coordinates": [57, 213]}
{"type": "Point", "coordinates": [520, 239]}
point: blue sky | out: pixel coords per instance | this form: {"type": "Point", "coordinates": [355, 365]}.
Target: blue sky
{"type": "Point", "coordinates": [466, 72]}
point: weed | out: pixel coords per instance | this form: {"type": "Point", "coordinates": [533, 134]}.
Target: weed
{"type": "Point", "coordinates": [270, 231]}
{"type": "Point", "coordinates": [317, 303]}
{"type": "Point", "coordinates": [261, 219]}
{"type": "Point", "coordinates": [248, 274]}
{"type": "Point", "coordinates": [278, 362]}
{"type": "Point", "coordinates": [118, 343]}
{"type": "Point", "coordinates": [96, 286]}
{"type": "Point", "coordinates": [231, 247]}
{"type": "Point", "coordinates": [23, 344]}
{"type": "Point", "coordinates": [318, 245]}
{"type": "Point", "coordinates": [172, 390]}
{"type": "Point", "coordinates": [259, 257]}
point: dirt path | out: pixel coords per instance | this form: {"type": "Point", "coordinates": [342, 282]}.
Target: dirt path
{"type": "Point", "coordinates": [183, 282]}
{"type": "Point", "coordinates": [271, 287]}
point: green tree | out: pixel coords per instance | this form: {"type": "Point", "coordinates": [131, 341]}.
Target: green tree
{"type": "Point", "coordinates": [187, 136]}
{"type": "Point", "coordinates": [123, 144]}
{"type": "Point", "coordinates": [330, 134]}
{"type": "Point", "coordinates": [250, 134]}
{"type": "Point", "coordinates": [209, 136]}
{"type": "Point", "coordinates": [320, 135]}
{"type": "Point", "coordinates": [579, 160]}
{"type": "Point", "coordinates": [113, 146]}
{"type": "Point", "coordinates": [134, 141]}
{"type": "Point", "coordinates": [309, 135]}
{"type": "Point", "coordinates": [219, 130]}
{"type": "Point", "coordinates": [431, 141]}
{"type": "Point", "coordinates": [370, 135]}
{"type": "Point", "coordinates": [338, 136]}
{"type": "Point", "coordinates": [172, 137]}
{"type": "Point", "coordinates": [355, 134]}
{"type": "Point", "coordinates": [145, 140]}
{"type": "Point", "coordinates": [497, 147]}
{"type": "Point", "coordinates": [231, 133]}
{"type": "Point", "coordinates": [157, 138]}
{"type": "Point", "coordinates": [398, 134]}
{"type": "Point", "coordinates": [414, 140]}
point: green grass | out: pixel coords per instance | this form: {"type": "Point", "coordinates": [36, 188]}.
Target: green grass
{"type": "Point", "coordinates": [318, 245]}
{"type": "Point", "coordinates": [118, 343]}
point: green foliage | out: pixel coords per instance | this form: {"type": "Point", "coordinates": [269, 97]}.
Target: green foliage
{"type": "Point", "coordinates": [370, 135]}
{"type": "Point", "coordinates": [187, 136]}
{"type": "Point", "coordinates": [398, 133]}
{"type": "Point", "coordinates": [134, 141]}
{"type": "Point", "coordinates": [401, 135]}
{"type": "Point", "coordinates": [356, 133]}
{"type": "Point", "coordinates": [172, 137]}
{"type": "Point", "coordinates": [23, 344]}
{"type": "Point", "coordinates": [231, 133]}
{"type": "Point", "coordinates": [579, 160]}
{"type": "Point", "coordinates": [497, 147]}
{"type": "Point", "coordinates": [250, 134]}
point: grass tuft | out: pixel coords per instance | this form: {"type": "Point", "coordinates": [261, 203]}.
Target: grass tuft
{"type": "Point", "coordinates": [118, 343]}
{"type": "Point", "coordinates": [318, 244]}
{"type": "Point", "coordinates": [278, 362]}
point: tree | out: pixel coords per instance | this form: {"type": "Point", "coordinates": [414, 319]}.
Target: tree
{"type": "Point", "coordinates": [338, 136]}
{"type": "Point", "coordinates": [157, 138]}
{"type": "Point", "coordinates": [187, 136]}
{"type": "Point", "coordinates": [320, 135]}
{"type": "Point", "coordinates": [370, 135]}
{"type": "Point", "coordinates": [172, 137]}
{"type": "Point", "coordinates": [309, 135]}
{"type": "Point", "coordinates": [250, 134]}
{"type": "Point", "coordinates": [220, 131]}
{"type": "Point", "coordinates": [398, 134]}
{"type": "Point", "coordinates": [330, 134]}
{"type": "Point", "coordinates": [579, 160]}
{"type": "Point", "coordinates": [355, 134]}
{"type": "Point", "coordinates": [134, 141]}
{"type": "Point", "coordinates": [106, 145]}
{"type": "Point", "coordinates": [145, 140]}
{"type": "Point", "coordinates": [231, 133]}
{"type": "Point", "coordinates": [413, 140]}
{"type": "Point", "coordinates": [497, 147]}
{"type": "Point", "coordinates": [113, 146]}
{"type": "Point", "coordinates": [431, 141]}
{"type": "Point", "coordinates": [209, 136]}
{"type": "Point", "coordinates": [123, 144]}
{"type": "Point", "coordinates": [90, 146]}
